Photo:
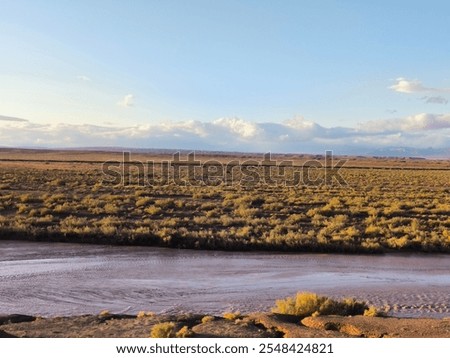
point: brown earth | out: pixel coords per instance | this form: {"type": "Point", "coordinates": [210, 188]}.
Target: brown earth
{"type": "Point", "coordinates": [257, 325]}
{"type": "Point", "coordinates": [65, 159]}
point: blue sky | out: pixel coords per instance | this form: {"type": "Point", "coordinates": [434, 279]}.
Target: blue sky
{"type": "Point", "coordinates": [239, 75]}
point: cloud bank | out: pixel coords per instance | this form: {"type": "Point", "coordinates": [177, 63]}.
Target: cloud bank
{"type": "Point", "coordinates": [234, 134]}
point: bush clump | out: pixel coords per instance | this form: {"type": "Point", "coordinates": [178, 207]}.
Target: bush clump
{"type": "Point", "coordinates": [232, 316]}
{"type": "Point", "coordinates": [207, 319]}
{"type": "Point", "coordinates": [164, 330]}
{"type": "Point", "coordinates": [170, 330]}
{"type": "Point", "coordinates": [310, 304]}
{"type": "Point", "coordinates": [374, 312]}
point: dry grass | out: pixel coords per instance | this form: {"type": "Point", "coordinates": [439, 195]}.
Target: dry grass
{"type": "Point", "coordinates": [379, 210]}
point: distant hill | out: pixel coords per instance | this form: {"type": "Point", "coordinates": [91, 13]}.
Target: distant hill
{"type": "Point", "coordinates": [411, 152]}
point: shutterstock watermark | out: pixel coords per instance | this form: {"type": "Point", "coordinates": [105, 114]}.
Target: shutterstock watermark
{"type": "Point", "coordinates": [190, 171]}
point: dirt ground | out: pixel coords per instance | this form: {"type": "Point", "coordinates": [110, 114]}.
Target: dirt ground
{"type": "Point", "coordinates": [257, 325]}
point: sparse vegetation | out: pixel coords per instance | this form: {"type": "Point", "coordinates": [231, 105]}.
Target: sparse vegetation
{"type": "Point", "coordinates": [379, 210]}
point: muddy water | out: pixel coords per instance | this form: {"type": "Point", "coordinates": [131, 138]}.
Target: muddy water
{"type": "Point", "coordinates": [66, 279]}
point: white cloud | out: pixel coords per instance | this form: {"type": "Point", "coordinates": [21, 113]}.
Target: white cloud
{"type": "Point", "coordinates": [300, 123]}
{"type": "Point", "coordinates": [126, 101]}
{"type": "Point", "coordinates": [404, 85]}
{"type": "Point", "coordinates": [238, 126]}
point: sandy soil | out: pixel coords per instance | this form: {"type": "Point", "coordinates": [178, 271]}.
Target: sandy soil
{"type": "Point", "coordinates": [253, 325]}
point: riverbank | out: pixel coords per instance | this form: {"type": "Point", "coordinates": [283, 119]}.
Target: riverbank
{"type": "Point", "coordinates": [254, 325]}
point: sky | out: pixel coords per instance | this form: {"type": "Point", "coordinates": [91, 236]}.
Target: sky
{"type": "Point", "coordinates": [250, 75]}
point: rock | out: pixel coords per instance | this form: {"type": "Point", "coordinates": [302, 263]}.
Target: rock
{"type": "Point", "coordinates": [284, 325]}
{"type": "Point", "coordinates": [16, 318]}
{"type": "Point", "coordinates": [229, 329]}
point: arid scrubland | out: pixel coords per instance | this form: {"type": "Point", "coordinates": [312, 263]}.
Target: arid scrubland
{"type": "Point", "coordinates": [377, 210]}
{"type": "Point", "coordinates": [306, 315]}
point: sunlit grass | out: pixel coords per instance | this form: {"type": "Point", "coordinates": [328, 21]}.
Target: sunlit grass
{"type": "Point", "coordinates": [378, 211]}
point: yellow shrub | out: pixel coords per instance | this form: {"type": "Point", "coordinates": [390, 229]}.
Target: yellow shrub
{"type": "Point", "coordinates": [207, 319]}
{"type": "Point", "coordinates": [163, 330]}
{"type": "Point", "coordinates": [232, 316]}
{"type": "Point", "coordinates": [307, 304]}
{"type": "Point", "coordinates": [143, 314]}
{"type": "Point", "coordinates": [184, 332]}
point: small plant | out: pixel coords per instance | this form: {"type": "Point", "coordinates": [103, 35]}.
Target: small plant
{"type": "Point", "coordinates": [111, 208]}
{"type": "Point", "coordinates": [372, 311]}
{"type": "Point", "coordinates": [153, 210]}
{"type": "Point", "coordinates": [104, 313]}
{"type": "Point", "coordinates": [143, 201]}
{"type": "Point", "coordinates": [232, 316]}
{"type": "Point", "coordinates": [25, 198]}
{"type": "Point", "coordinates": [184, 332]}
{"type": "Point", "coordinates": [163, 330]}
{"type": "Point", "coordinates": [165, 203]}
{"type": "Point", "coordinates": [143, 314]}
{"type": "Point", "coordinates": [207, 319]}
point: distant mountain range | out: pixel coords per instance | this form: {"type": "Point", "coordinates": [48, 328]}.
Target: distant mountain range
{"type": "Point", "coordinates": [426, 153]}
{"type": "Point", "coordinates": [438, 153]}
{"type": "Point", "coordinates": [411, 152]}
